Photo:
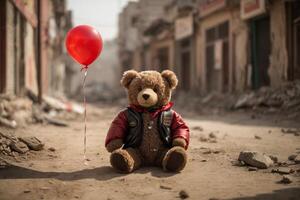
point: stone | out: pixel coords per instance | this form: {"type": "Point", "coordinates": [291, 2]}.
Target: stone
{"type": "Point", "coordinates": [283, 170]}
{"type": "Point", "coordinates": [212, 135]}
{"type": "Point", "coordinates": [257, 137]}
{"type": "Point", "coordinates": [27, 191]}
{"type": "Point", "coordinates": [33, 143]}
{"type": "Point", "coordinates": [165, 187]}
{"type": "Point", "coordinates": [292, 157]}
{"type": "Point", "coordinates": [51, 149]}
{"type": "Point", "coordinates": [297, 159]}
{"type": "Point", "coordinates": [183, 194]}
{"type": "Point", "coordinates": [286, 179]}
{"type": "Point", "coordinates": [255, 159]}
{"type": "Point", "coordinates": [252, 169]}
{"type": "Point", "coordinates": [19, 147]}
{"type": "Point", "coordinates": [274, 158]}
{"type": "Point", "coordinates": [197, 128]}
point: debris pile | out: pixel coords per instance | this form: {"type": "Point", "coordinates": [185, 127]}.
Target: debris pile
{"type": "Point", "coordinates": [13, 146]}
{"type": "Point", "coordinates": [285, 98]}
{"type": "Point", "coordinates": [256, 160]}
{"type": "Point", "coordinates": [18, 112]}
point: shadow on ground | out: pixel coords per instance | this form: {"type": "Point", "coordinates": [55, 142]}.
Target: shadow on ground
{"type": "Point", "coordinates": [100, 173]}
{"type": "Point", "coordinates": [286, 194]}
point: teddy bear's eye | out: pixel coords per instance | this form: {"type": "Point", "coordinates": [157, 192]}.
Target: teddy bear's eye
{"type": "Point", "coordinates": [140, 88]}
{"type": "Point", "coordinates": [155, 89]}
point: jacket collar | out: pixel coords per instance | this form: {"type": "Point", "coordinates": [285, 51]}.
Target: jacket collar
{"type": "Point", "coordinates": [153, 112]}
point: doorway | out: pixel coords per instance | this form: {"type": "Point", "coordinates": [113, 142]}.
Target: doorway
{"type": "Point", "coordinates": [260, 51]}
{"type": "Point", "coordinates": [293, 38]}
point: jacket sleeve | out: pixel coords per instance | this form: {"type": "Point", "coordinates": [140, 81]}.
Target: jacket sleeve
{"type": "Point", "coordinates": [180, 129]}
{"type": "Point", "coordinates": [118, 128]}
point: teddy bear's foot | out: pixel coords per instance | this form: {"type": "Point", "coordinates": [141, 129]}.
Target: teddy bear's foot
{"type": "Point", "coordinates": [125, 160]}
{"type": "Point", "coordinates": [175, 159]}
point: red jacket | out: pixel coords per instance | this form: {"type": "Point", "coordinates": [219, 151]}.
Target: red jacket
{"type": "Point", "coordinates": [119, 125]}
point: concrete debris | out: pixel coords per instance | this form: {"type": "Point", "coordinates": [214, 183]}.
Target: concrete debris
{"type": "Point", "coordinates": [257, 137]}
{"type": "Point", "coordinates": [165, 187]}
{"type": "Point", "coordinates": [292, 157]}
{"type": "Point", "coordinates": [285, 98]}
{"type": "Point", "coordinates": [33, 143]}
{"type": "Point", "coordinates": [8, 123]}
{"type": "Point", "coordinates": [197, 128]}
{"type": "Point", "coordinates": [252, 169]}
{"type": "Point", "coordinates": [13, 146]}
{"type": "Point", "coordinates": [283, 170]}
{"type": "Point", "coordinates": [274, 158]}
{"type": "Point", "coordinates": [255, 159]}
{"type": "Point", "coordinates": [19, 147]}
{"type": "Point", "coordinates": [297, 159]}
{"type": "Point", "coordinates": [56, 122]}
{"type": "Point", "coordinates": [286, 179]}
{"type": "Point", "coordinates": [183, 194]}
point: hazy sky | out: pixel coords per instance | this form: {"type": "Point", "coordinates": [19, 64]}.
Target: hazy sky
{"type": "Point", "coordinates": [102, 14]}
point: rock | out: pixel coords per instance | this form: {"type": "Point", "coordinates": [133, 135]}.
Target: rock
{"type": "Point", "coordinates": [19, 147]}
{"type": "Point", "coordinates": [255, 159]}
{"type": "Point", "coordinates": [51, 149]}
{"type": "Point", "coordinates": [283, 170]}
{"type": "Point", "coordinates": [203, 138]}
{"type": "Point", "coordinates": [183, 194]}
{"type": "Point", "coordinates": [297, 159]}
{"type": "Point", "coordinates": [257, 137]}
{"type": "Point", "coordinates": [165, 187]}
{"type": "Point", "coordinates": [56, 122]}
{"type": "Point", "coordinates": [252, 169]}
{"type": "Point", "coordinates": [286, 179]}
{"type": "Point", "coordinates": [274, 158]}
{"type": "Point", "coordinates": [33, 143]}
{"type": "Point", "coordinates": [197, 128]}
{"type": "Point", "coordinates": [212, 135]}
{"type": "Point", "coordinates": [292, 157]}
{"type": "Point", "coordinates": [27, 191]}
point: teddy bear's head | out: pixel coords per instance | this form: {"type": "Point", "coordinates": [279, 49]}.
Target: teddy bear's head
{"type": "Point", "coordinates": [149, 88]}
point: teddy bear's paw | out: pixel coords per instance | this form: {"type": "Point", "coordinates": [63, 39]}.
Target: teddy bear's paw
{"type": "Point", "coordinates": [175, 159]}
{"type": "Point", "coordinates": [124, 160]}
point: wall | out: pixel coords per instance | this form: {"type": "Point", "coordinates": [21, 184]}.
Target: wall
{"type": "Point", "coordinates": [10, 53]}
{"type": "Point", "coordinates": [278, 59]}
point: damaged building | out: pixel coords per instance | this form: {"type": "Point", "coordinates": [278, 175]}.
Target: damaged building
{"type": "Point", "coordinates": [218, 45]}
{"type": "Point", "coordinates": [32, 56]}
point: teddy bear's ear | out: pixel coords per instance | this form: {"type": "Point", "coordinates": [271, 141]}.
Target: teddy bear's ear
{"type": "Point", "coordinates": [128, 76]}
{"type": "Point", "coordinates": [170, 77]}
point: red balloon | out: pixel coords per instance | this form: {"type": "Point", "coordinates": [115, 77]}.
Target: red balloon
{"type": "Point", "coordinates": [84, 44]}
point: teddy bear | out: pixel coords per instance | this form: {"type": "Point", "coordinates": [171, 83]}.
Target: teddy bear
{"type": "Point", "coordinates": [148, 132]}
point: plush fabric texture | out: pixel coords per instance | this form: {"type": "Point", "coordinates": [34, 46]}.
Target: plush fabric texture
{"type": "Point", "coordinates": [113, 145]}
{"type": "Point", "coordinates": [175, 159]}
{"type": "Point", "coordinates": [149, 93]}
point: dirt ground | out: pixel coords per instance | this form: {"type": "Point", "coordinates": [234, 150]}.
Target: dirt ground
{"type": "Point", "coordinates": [209, 174]}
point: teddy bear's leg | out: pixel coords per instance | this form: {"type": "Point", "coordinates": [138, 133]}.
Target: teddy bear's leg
{"type": "Point", "coordinates": [175, 159]}
{"type": "Point", "coordinates": [125, 160]}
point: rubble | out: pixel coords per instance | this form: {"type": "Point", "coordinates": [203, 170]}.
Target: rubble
{"type": "Point", "coordinates": [285, 98]}
{"type": "Point", "coordinates": [286, 179]}
{"type": "Point", "coordinates": [255, 159]}
{"type": "Point", "coordinates": [183, 194]}
{"type": "Point", "coordinates": [12, 146]}
{"type": "Point", "coordinates": [297, 159]}
{"type": "Point", "coordinates": [33, 143]}
{"type": "Point", "coordinates": [283, 170]}
{"type": "Point", "coordinates": [292, 157]}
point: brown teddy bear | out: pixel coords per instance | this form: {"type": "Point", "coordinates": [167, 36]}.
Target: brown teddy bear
{"type": "Point", "coordinates": [148, 132]}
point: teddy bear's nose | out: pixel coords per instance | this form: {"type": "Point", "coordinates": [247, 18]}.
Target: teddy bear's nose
{"type": "Point", "coordinates": [146, 96]}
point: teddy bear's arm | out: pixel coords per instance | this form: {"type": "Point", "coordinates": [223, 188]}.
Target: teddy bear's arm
{"type": "Point", "coordinates": [116, 132]}
{"type": "Point", "coordinates": [180, 131]}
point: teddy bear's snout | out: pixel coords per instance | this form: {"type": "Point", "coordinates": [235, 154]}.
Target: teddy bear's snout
{"type": "Point", "coordinates": [146, 96]}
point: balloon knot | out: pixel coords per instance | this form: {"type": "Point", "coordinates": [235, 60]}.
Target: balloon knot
{"type": "Point", "coordinates": [84, 68]}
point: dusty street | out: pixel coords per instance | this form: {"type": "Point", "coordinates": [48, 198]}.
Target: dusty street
{"type": "Point", "coordinates": [209, 174]}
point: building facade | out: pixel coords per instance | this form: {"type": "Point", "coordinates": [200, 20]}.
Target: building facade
{"type": "Point", "coordinates": [222, 45]}
{"type": "Point", "coordinates": [31, 46]}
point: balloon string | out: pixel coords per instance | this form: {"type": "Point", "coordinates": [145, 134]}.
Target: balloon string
{"type": "Point", "coordinates": [84, 103]}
